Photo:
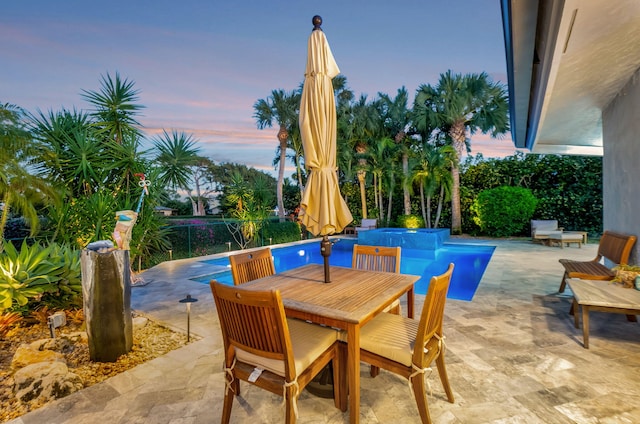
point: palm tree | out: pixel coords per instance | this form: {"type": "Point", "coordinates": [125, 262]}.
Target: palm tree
{"type": "Point", "coordinates": [95, 157]}
{"type": "Point", "coordinates": [71, 154]}
{"type": "Point", "coordinates": [113, 118]}
{"type": "Point", "coordinates": [21, 188]}
{"type": "Point", "coordinates": [433, 173]}
{"type": "Point", "coordinates": [461, 104]}
{"type": "Point", "coordinates": [378, 157]}
{"type": "Point", "coordinates": [177, 154]}
{"type": "Point", "coordinates": [364, 128]}
{"type": "Point", "coordinates": [115, 108]}
{"type": "Point", "coordinates": [395, 116]}
{"type": "Point", "coordinates": [346, 156]}
{"type": "Point", "coordinates": [280, 108]}
{"type": "Point", "coordinates": [295, 145]}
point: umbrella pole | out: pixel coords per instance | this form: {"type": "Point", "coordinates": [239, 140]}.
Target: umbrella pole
{"type": "Point", "coordinates": [325, 250]}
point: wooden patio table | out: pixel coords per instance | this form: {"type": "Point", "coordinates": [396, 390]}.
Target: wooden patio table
{"type": "Point", "coordinates": [349, 301]}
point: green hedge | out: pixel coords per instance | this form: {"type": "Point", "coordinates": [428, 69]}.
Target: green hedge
{"type": "Point", "coordinates": [503, 211]}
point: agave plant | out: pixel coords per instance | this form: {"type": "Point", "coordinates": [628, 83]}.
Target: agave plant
{"type": "Point", "coordinates": [66, 278]}
{"type": "Point", "coordinates": [25, 275]}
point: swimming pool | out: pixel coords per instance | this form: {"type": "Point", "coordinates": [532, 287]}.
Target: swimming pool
{"type": "Point", "coordinates": [470, 261]}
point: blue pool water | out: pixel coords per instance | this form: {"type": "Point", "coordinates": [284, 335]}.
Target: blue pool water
{"type": "Point", "coordinates": [470, 263]}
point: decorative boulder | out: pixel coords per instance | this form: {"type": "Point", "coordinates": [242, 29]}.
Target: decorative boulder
{"type": "Point", "coordinates": [45, 381]}
{"type": "Point", "coordinates": [26, 355]}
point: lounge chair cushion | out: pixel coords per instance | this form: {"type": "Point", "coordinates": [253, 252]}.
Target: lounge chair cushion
{"type": "Point", "coordinates": [367, 224]}
{"type": "Point", "coordinates": [542, 228]}
{"type": "Point", "coordinates": [308, 342]}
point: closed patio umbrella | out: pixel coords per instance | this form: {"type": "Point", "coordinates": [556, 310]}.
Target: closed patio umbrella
{"type": "Point", "coordinates": [323, 210]}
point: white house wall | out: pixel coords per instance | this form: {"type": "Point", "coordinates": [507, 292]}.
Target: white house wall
{"type": "Point", "coordinates": [621, 162]}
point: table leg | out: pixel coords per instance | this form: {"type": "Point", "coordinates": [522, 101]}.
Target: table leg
{"type": "Point", "coordinates": [410, 303]}
{"type": "Point", "coordinates": [585, 325]}
{"type": "Point", "coordinates": [353, 365]}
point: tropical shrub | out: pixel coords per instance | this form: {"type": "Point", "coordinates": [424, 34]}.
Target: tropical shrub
{"type": "Point", "coordinates": [280, 232]}
{"type": "Point", "coordinates": [503, 211]}
{"type": "Point", "coordinates": [410, 221]}
{"type": "Point", "coordinates": [8, 320]}
{"type": "Point", "coordinates": [38, 274]}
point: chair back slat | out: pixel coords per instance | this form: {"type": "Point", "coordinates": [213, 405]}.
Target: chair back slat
{"type": "Point", "coordinates": [253, 321]}
{"type": "Point", "coordinates": [249, 266]}
{"type": "Point", "coordinates": [432, 313]}
{"type": "Point", "coordinates": [376, 258]}
{"type": "Point", "coordinates": [616, 247]}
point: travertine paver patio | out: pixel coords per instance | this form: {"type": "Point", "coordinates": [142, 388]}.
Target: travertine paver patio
{"type": "Point", "coordinates": [513, 356]}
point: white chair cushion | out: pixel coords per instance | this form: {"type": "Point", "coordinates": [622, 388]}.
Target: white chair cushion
{"type": "Point", "coordinates": [391, 336]}
{"type": "Point", "coordinates": [547, 233]}
{"type": "Point", "coordinates": [308, 342]}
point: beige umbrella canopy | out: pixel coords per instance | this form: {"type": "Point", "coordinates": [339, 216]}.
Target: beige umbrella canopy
{"type": "Point", "coordinates": [324, 211]}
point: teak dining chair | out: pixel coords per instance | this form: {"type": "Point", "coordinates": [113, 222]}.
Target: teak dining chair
{"type": "Point", "coordinates": [408, 347]}
{"type": "Point", "coordinates": [378, 258]}
{"type": "Point", "coordinates": [248, 266]}
{"type": "Point", "coordinates": [263, 348]}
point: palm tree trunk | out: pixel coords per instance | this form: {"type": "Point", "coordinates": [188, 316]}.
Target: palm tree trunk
{"type": "Point", "coordinates": [458, 135]}
{"type": "Point", "coordinates": [299, 174]}
{"type": "Point", "coordinates": [381, 213]}
{"type": "Point", "coordinates": [456, 219]}
{"type": "Point", "coordinates": [405, 187]}
{"type": "Point", "coordinates": [283, 135]}
{"type": "Point", "coordinates": [375, 191]}
{"type": "Point", "coordinates": [428, 211]}
{"type": "Point", "coordinates": [363, 194]}
{"type": "Point", "coordinates": [391, 187]}
{"type": "Point", "coordinates": [424, 212]}
{"type": "Point", "coordinates": [439, 211]}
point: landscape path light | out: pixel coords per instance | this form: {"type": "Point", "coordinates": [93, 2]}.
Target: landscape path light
{"type": "Point", "coordinates": [188, 300]}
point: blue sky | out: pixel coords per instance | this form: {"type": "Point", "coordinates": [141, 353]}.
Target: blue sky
{"type": "Point", "coordinates": [200, 67]}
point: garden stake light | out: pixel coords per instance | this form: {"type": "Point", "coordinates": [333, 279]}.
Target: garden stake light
{"type": "Point", "coordinates": [188, 300]}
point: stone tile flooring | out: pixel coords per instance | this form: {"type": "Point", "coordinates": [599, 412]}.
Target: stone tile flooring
{"type": "Point", "coordinates": [513, 356]}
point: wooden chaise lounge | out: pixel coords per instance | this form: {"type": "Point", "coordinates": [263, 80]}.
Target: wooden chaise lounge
{"type": "Point", "coordinates": [613, 246]}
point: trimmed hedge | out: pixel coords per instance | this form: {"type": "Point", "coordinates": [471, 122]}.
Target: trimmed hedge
{"type": "Point", "coordinates": [503, 211]}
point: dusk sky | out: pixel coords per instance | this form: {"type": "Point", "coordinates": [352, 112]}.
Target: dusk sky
{"type": "Point", "coordinates": [200, 66]}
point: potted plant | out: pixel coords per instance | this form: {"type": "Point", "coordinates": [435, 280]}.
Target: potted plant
{"type": "Point", "coordinates": [626, 275]}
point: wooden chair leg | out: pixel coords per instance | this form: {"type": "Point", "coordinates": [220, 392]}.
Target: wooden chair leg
{"type": "Point", "coordinates": [228, 401]}
{"type": "Point", "coordinates": [374, 371]}
{"type": "Point", "coordinates": [563, 283]}
{"type": "Point", "coordinates": [420, 393]}
{"type": "Point", "coordinates": [290, 414]}
{"type": "Point", "coordinates": [444, 377]}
